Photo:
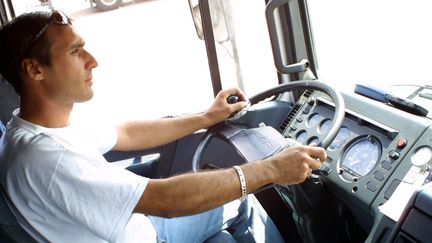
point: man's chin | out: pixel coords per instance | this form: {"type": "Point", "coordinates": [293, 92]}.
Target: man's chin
{"type": "Point", "coordinates": [86, 98]}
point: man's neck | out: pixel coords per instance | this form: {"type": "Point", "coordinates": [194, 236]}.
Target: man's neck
{"type": "Point", "coordinates": [47, 114]}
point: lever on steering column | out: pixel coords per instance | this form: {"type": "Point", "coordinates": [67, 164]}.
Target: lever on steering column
{"type": "Point", "coordinates": [232, 99]}
{"type": "Point", "coordinates": [324, 170]}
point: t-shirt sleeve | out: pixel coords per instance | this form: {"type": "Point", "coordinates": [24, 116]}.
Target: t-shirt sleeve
{"type": "Point", "coordinates": [104, 137]}
{"type": "Point", "coordinates": [101, 197]}
{"type": "Point", "coordinates": [109, 140]}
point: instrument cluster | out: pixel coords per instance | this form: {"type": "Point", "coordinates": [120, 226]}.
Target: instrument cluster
{"type": "Point", "coordinates": [377, 151]}
{"type": "Point", "coordinates": [363, 154]}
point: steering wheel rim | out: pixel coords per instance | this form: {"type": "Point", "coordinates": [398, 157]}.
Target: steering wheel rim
{"type": "Point", "coordinates": [335, 125]}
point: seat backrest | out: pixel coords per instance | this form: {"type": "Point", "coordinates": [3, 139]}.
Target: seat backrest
{"type": "Point", "coordinates": [10, 229]}
{"type": "Point", "coordinates": [2, 133]}
{"type": "Point", "coordinates": [9, 100]}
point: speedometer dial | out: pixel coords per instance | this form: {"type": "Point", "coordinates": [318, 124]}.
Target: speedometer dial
{"type": "Point", "coordinates": [325, 126]}
{"type": "Point", "coordinates": [361, 156]}
{"type": "Point", "coordinates": [313, 120]}
{"type": "Point", "coordinates": [302, 137]}
{"type": "Point", "coordinates": [340, 138]}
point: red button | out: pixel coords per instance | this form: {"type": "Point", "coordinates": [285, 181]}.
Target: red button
{"type": "Point", "coordinates": [401, 143]}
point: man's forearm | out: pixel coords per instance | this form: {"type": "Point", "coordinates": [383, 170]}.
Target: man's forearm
{"type": "Point", "coordinates": [194, 193]}
{"type": "Point", "coordinates": [137, 135]}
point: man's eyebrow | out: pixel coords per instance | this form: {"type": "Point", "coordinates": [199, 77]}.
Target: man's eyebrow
{"type": "Point", "coordinates": [76, 44]}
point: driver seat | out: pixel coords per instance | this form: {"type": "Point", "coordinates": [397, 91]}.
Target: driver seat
{"type": "Point", "coordinates": [10, 229]}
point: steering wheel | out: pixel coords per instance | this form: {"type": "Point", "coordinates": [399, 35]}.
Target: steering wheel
{"type": "Point", "coordinates": [304, 84]}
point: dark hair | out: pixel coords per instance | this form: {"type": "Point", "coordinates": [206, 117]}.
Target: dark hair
{"type": "Point", "coordinates": [15, 37]}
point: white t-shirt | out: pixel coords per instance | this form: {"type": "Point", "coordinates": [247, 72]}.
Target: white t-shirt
{"type": "Point", "coordinates": [66, 190]}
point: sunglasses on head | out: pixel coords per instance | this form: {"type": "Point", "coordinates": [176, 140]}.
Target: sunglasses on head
{"type": "Point", "coordinates": [57, 17]}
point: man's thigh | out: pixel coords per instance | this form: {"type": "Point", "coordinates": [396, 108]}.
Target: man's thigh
{"type": "Point", "coordinates": [246, 220]}
{"type": "Point", "coordinates": [198, 227]}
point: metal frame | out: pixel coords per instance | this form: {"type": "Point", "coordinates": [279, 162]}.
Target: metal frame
{"type": "Point", "coordinates": [210, 45]}
{"type": "Point", "coordinates": [6, 11]}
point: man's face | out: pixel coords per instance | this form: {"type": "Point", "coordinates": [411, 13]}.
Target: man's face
{"type": "Point", "coordinates": [69, 77]}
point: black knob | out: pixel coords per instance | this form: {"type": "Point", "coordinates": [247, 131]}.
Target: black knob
{"type": "Point", "coordinates": [232, 99]}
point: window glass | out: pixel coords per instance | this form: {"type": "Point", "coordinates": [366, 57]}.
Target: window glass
{"type": "Point", "coordinates": [151, 62]}
{"type": "Point", "coordinates": [245, 58]}
{"type": "Point", "coordinates": [380, 42]}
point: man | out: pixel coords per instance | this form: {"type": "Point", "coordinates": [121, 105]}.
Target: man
{"type": "Point", "coordinates": [66, 190]}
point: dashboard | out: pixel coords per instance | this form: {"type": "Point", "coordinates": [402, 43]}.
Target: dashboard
{"type": "Point", "coordinates": [377, 149]}
{"type": "Point", "coordinates": [378, 152]}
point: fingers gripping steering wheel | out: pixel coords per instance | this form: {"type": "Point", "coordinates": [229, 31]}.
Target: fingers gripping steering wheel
{"type": "Point", "coordinates": [304, 84]}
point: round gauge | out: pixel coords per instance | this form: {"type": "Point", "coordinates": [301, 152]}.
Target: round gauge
{"type": "Point", "coordinates": [421, 156]}
{"type": "Point", "coordinates": [302, 137]}
{"type": "Point", "coordinates": [340, 138]}
{"type": "Point", "coordinates": [361, 156]}
{"type": "Point", "coordinates": [325, 126]}
{"type": "Point", "coordinates": [313, 120]}
{"type": "Point", "coordinates": [314, 141]}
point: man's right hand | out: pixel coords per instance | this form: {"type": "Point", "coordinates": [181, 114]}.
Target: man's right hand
{"type": "Point", "coordinates": [221, 109]}
{"type": "Point", "coordinates": [293, 165]}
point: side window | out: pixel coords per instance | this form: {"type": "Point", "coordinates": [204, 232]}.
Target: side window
{"type": "Point", "coordinates": [384, 43]}
{"type": "Point", "coordinates": [151, 62]}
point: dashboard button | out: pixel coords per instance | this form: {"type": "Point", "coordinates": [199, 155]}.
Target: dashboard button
{"type": "Point", "coordinates": [379, 175]}
{"type": "Point", "coordinates": [311, 101]}
{"type": "Point", "coordinates": [386, 165]}
{"type": "Point", "coordinates": [371, 186]}
{"type": "Point", "coordinates": [401, 143]}
{"type": "Point", "coordinates": [393, 155]}
{"type": "Point", "coordinates": [390, 189]}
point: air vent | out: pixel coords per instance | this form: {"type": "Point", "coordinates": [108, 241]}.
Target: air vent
{"type": "Point", "coordinates": [307, 93]}
{"type": "Point", "coordinates": [289, 117]}
{"type": "Point", "coordinates": [293, 112]}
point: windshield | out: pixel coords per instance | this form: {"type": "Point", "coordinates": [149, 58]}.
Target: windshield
{"type": "Point", "coordinates": [380, 42]}
{"type": "Point", "coordinates": [244, 55]}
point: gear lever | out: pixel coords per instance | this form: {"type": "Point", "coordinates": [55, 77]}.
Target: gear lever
{"type": "Point", "coordinates": [232, 99]}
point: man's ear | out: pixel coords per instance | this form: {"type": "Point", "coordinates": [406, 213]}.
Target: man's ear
{"type": "Point", "coordinates": [32, 69]}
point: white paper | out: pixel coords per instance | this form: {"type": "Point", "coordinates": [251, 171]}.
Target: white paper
{"type": "Point", "coordinates": [412, 181]}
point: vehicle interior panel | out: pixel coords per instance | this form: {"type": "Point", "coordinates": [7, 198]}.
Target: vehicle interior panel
{"type": "Point", "coordinates": [358, 187]}
{"type": "Point", "coordinates": [369, 157]}
{"type": "Point", "coordinates": [375, 185]}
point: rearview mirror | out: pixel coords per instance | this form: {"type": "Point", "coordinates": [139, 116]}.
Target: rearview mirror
{"type": "Point", "coordinates": [218, 18]}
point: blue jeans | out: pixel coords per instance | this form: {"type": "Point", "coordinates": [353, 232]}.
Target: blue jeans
{"type": "Point", "coordinates": [246, 221]}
